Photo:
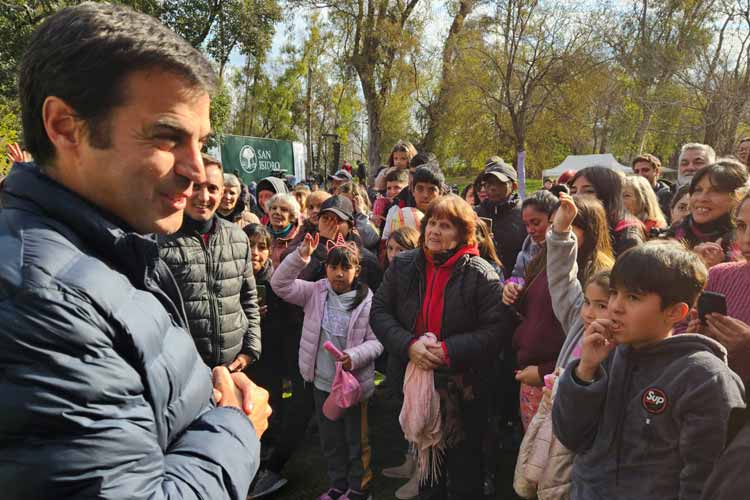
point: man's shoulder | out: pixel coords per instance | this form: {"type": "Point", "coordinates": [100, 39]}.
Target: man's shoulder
{"type": "Point", "coordinates": [42, 254]}
{"type": "Point", "coordinates": [231, 231]}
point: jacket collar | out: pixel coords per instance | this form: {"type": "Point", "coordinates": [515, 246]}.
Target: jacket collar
{"type": "Point", "coordinates": [102, 234]}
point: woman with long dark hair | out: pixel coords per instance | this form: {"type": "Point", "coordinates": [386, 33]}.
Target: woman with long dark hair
{"type": "Point", "coordinates": [606, 185]}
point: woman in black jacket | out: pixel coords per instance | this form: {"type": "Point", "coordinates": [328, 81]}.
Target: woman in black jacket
{"type": "Point", "coordinates": [445, 288]}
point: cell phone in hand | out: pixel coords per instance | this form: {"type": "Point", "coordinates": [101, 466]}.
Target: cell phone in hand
{"type": "Point", "coordinates": [261, 295]}
{"type": "Point", "coordinates": [711, 303]}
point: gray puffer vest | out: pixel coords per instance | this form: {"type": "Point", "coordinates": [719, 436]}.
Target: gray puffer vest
{"type": "Point", "coordinates": [218, 289]}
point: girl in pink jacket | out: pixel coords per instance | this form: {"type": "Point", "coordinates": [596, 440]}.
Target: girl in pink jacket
{"type": "Point", "coordinates": [337, 309]}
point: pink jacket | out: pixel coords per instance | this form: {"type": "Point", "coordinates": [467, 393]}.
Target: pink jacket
{"type": "Point", "coordinates": [361, 344]}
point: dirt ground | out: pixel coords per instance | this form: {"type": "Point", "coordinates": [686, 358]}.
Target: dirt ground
{"type": "Point", "coordinates": [306, 470]}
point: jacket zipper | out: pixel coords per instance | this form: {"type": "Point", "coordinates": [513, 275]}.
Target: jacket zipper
{"type": "Point", "coordinates": [213, 309]}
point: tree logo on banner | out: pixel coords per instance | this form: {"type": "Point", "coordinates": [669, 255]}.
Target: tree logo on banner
{"type": "Point", "coordinates": [248, 159]}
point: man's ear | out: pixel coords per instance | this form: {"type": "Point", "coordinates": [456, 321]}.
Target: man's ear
{"type": "Point", "coordinates": [63, 126]}
{"type": "Point", "coordinates": [513, 187]}
{"type": "Point", "coordinates": [677, 312]}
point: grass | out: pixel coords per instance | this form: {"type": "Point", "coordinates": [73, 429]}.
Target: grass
{"type": "Point", "coordinates": [306, 471]}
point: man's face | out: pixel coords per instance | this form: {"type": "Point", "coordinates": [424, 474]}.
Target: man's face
{"type": "Point", "coordinates": [691, 161]}
{"type": "Point", "coordinates": [146, 175]}
{"type": "Point", "coordinates": [206, 196]}
{"type": "Point", "coordinates": [497, 190]}
{"type": "Point", "coordinates": [424, 193]}
{"type": "Point", "coordinates": [647, 171]}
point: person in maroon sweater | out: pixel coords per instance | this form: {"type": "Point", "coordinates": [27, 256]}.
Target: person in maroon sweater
{"type": "Point", "coordinates": [539, 336]}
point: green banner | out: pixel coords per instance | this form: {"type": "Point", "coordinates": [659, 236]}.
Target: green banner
{"type": "Point", "coordinates": [256, 158]}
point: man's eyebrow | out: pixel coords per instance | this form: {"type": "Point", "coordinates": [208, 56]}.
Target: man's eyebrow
{"type": "Point", "coordinates": [175, 127]}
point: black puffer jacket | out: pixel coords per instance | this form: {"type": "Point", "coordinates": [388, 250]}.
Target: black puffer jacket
{"type": "Point", "coordinates": [218, 287]}
{"type": "Point", "coordinates": [474, 319]}
{"type": "Point", "coordinates": [508, 230]}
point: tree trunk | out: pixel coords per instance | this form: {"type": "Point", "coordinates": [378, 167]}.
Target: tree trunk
{"type": "Point", "coordinates": [436, 109]}
{"type": "Point", "coordinates": [640, 134]}
{"type": "Point", "coordinates": [308, 109]}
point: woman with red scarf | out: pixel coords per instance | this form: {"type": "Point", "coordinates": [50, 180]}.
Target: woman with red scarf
{"type": "Point", "coordinates": [445, 289]}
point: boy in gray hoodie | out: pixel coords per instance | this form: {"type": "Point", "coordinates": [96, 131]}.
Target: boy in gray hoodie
{"type": "Point", "coordinates": [645, 412]}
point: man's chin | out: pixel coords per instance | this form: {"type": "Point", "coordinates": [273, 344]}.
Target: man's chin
{"type": "Point", "coordinates": [167, 225]}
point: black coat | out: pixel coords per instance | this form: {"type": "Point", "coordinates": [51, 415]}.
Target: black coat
{"type": "Point", "coordinates": [474, 318]}
{"type": "Point", "coordinates": [508, 230]}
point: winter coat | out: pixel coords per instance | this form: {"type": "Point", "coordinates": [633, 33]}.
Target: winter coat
{"type": "Point", "coordinates": [664, 192]}
{"type": "Point", "coordinates": [566, 291]}
{"type": "Point", "coordinates": [729, 479]}
{"type": "Point", "coordinates": [544, 465]}
{"type": "Point", "coordinates": [361, 344]}
{"type": "Point", "coordinates": [508, 229]}
{"type": "Point", "coordinates": [629, 232]}
{"type": "Point", "coordinates": [652, 424]}
{"type": "Point", "coordinates": [473, 318]}
{"type": "Point", "coordinates": [218, 287]}
{"type": "Point", "coordinates": [104, 394]}
{"type": "Point", "coordinates": [368, 233]}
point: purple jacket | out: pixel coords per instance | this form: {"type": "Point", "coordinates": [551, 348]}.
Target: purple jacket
{"type": "Point", "coordinates": [361, 344]}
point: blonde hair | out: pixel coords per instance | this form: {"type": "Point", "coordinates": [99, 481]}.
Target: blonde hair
{"type": "Point", "coordinates": [317, 197]}
{"type": "Point", "coordinates": [646, 201]}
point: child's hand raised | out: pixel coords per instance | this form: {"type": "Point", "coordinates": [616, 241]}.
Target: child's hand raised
{"type": "Point", "coordinates": [598, 342]}
{"type": "Point", "coordinates": [565, 214]}
{"type": "Point", "coordinates": [307, 248]}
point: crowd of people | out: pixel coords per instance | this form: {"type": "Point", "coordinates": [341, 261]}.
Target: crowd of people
{"type": "Point", "coordinates": [156, 308]}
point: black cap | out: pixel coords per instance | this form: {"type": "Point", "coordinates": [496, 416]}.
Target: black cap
{"type": "Point", "coordinates": [341, 175]}
{"type": "Point", "coordinates": [339, 205]}
{"type": "Point", "coordinates": [502, 171]}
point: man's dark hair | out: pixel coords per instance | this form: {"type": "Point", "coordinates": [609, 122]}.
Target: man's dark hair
{"type": "Point", "coordinates": [666, 268]}
{"type": "Point", "coordinates": [210, 160]}
{"type": "Point", "coordinates": [397, 176]}
{"type": "Point", "coordinates": [542, 201]}
{"type": "Point", "coordinates": [430, 175]}
{"type": "Point", "coordinates": [647, 158]}
{"type": "Point", "coordinates": [424, 158]}
{"type": "Point", "coordinates": [83, 55]}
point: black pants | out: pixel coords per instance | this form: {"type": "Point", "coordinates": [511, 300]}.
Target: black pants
{"type": "Point", "coordinates": [461, 476]}
{"type": "Point", "coordinates": [297, 412]}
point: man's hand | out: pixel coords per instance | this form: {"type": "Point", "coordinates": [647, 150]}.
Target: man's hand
{"type": "Point", "coordinates": [598, 342]}
{"type": "Point", "coordinates": [530, 376]}
{"type": "Point", "coordinates": [239, 364]}
{"type": "Point", "coordinates": [263, 311]}
{"type": "Point", "coordinates": [565, 214]}
{"type": "Point", "coordinates": [511, 292]}
{"type": "Point", "coordinates": [422, 357]}
{"type": "Point", "coordinates": [307, 248]}
{"type": "Point", "coordinates": [238, 391]}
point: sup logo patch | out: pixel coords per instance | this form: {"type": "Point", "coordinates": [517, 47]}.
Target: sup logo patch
{"type": "Point", "coordinates": [654, 400]}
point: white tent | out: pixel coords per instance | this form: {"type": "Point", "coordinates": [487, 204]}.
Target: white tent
{"type": "Point", "coordinates": [579, 162]}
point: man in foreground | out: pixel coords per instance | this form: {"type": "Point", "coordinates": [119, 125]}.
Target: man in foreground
{"type": "Point", "coordinates": [104, 394]}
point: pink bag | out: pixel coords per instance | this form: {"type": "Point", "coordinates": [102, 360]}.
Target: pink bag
{"type": "Point", "coordinates": [345, 389]}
